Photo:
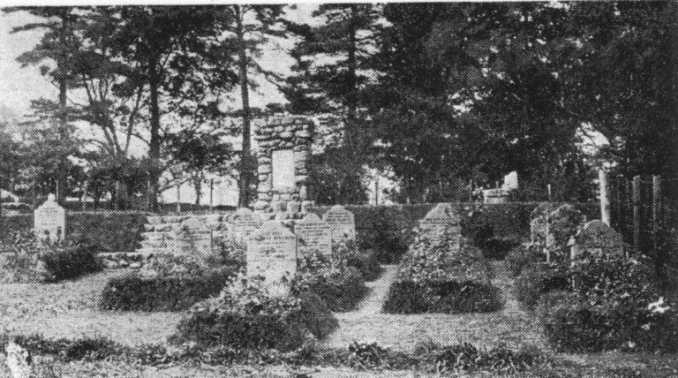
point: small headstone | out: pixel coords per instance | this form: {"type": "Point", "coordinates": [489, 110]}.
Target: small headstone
{"type": "Point", "coordinates": [242, 223]}
{"type": "Point", "coordinates": [342, 223]}
{"type": "Point", "coordinates": [315, 235]}
{"type": "Point", "coordinates": [272, 252]}
{"type": "Point", "coordinates": [439, 218]}
{"type": "Point", "coordinates": [50, 221]}
{"type": "Point", "coordinates": [597, 239]}
{"type": "Point", "coordinates": [193, 238]}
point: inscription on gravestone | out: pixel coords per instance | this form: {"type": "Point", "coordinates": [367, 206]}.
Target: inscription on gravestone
{"type": "Point", "coordinates": [271, 252]}
{"type": "Point", "coordinates": [314, 235]}
{"type": "Point", "coordinates": [242, 223]}
{"type": "Point", "coordinates": [50, 221]}
{"type": "Point", "coordinates": [342, 223]}
{"type": "Point", "coordinates": [193, 238]}
{"type": "Point", "coordinates": [283, 169]}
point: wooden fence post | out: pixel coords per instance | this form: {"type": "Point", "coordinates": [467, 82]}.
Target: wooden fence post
{"type": "Point", "coordinates": [636, 213]}
{"type": "Point", "coordinates": [179, 198]}
{"type": "Point", "coordinates": [604, 197]}
{"type": "Point", "coordinates": [657, 216]}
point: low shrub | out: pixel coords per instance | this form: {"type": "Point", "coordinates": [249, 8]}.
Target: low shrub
{"type": "Point", "coordinates": [341, 290]}
{"type": "Point", "coordinates": [496, 248]}
{"type": "Point", "coordinates": [366, 262]}
{"type": "Point", "coordinates": [613, 303]}
{"type": "Point", "coordinates": [71, 262]}
{"type": "Point", "coordinates": [382, 233]}
{"type": "Point", "coordinates": [467, 357]}
{"type": "Point", "coordinates": [537, 280]}
{"type": "Point", "coordinates": [249, 315]}
{"type": "Point", "coordinates": [31, 261]}
{"type": "Point", "coordinates": [450, 297]}
{"type": "Point", "coordinates": [522, 256]}
{"type": "Point", "coordinates": [162, 293]}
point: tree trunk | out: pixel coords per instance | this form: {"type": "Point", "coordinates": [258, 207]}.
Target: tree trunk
{"type": "Point", "coordinates": [351, 100]}
{"type": "Point", "coordinates": [154, 148]}
{"type": "Point", "coordinates": [63, 115]}
{"type": "Point", "coordinates": [244, 182]}
{"type": "Point", "coordinates": [197, 184]}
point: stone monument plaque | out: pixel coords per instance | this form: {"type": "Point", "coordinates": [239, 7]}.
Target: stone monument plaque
{"type": "Point", "coordinates": [314, 234]}
{"type": "Point", "coordinates": [49, 221]}
{"type": "Point", "coordinates": [242, 223]}
{"type": "Point", "coordinates": [283, 169]}
{"type": "Point", "coordinates": [342, 223]}
{"type": "Point", "coordinates": [272, 252]}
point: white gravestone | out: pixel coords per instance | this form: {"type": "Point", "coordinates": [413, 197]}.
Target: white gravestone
{"type": "Point", "coordinates": [193, 238]}
{"type": "Point", "coordinates": [315, 235]}
{"type": "Point", "coordinates": [342, 223]}
{"type": "Point", "coordinates": [242, 223]}
{"type": "Point", "coordinates": [272, 253]}
{"type": "Point", "coordinates": [439, 218]}
{"type": "Point", "coordinates": [49, 221]}
{"type": "Point", "coordinates": [283, 169]}
{"type": "Point", "coordinates": [597, 239]}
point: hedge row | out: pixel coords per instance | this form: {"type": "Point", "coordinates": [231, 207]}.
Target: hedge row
{"type": "Point", "coordinates": [135, 293]}
{"type": "Point", "coordinates": [107, 231]}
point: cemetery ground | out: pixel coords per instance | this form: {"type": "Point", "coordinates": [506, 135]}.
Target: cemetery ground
{"type": "Point", "coordinates": [69, 310]}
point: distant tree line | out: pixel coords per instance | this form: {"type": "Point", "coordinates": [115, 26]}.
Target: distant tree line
{"type": "Point", "coordinates": [438, 96]}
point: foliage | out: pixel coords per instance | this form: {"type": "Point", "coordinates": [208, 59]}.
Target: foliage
{"type": "Point", "coordinates": [613, 303]}
{"type": "Point", "coordinates": [379, 231]}
{"type": "Point", "coordinates": [522, 256]}
{"type": "Point", "coordinates": [162, 293]}
{"type": "Point", "coordinates": [367, 263]}
{"type": "Point", "coordinates": [564, 223]}
{"type": "Point", "coordinates": [536, 280]}
{"type": "Point", "coordinates": [32, 261]}
{"type": "Point", "coordinates": [248, 315]}
{"type": "Point", "coordinates": [467, 357]}
{"type": "Point", "coordinates": [341, 290]}
{"type": "Point", "coordinates": [231, 252]}
{"type": "Point", "coordinates": [70, 262]}
{"type": "Point", "coordinates": [449, 297]}
{"type": "Point", "coordinates": [170, 265]}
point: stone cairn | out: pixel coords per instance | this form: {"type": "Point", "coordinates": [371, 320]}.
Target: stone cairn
{"type": "Point", "coordinates": [283, 155]}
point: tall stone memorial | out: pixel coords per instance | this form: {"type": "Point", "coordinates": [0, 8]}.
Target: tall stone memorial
{"type": "Point", "coordinates": [342, 223]}
{"type": "Point", "coordinates": [49, 221]}
{"type": "Point", "coordinates": [284, 148]}
{"type": "Point", "coordinates": [440, 217]}
{"type": "Point", "coordinates": [272, 252]}
{"type": "Point", "coordinates": [314, 235]}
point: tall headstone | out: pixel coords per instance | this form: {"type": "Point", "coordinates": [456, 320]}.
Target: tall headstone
{"type": "Point", "coordinates": [193, 238]}
{"type": "Point", "coordinates": [597, 239]}
{"type": "Point", "coordinates": [342, 223]}
{"type": "Point", "coordinates": [272, 252]}
{"type": "Point", "coordinates": [242, 223]}
{"type": "Point", "coordinates": [314, 235]}
{"type": "Point", "coordinates": [50, 221]}
{"type": "Point", "coordinates": [439, 218]}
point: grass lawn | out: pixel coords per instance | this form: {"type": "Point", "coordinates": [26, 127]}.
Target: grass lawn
{"type": "Point", "coordinates": [69, 309]}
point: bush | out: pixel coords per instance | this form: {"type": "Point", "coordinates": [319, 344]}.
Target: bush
{"type": "Point", "coordinates": [523, 256]}
{"type": "Point", "coordinates": [248, 315]}
{"type": "Point", "coordinates": [466, 357]}
{"type": "Point", "coordinates": [450, 297]}
{"type": "Point", "coordinates": [613, 304]}
{"type": "Point", "coordinates": [136, 293]}
{"type": "Point", "coordinates": [32, 261]}
{"type": "Point", "coordinates": [537, 280]}
{"type": "Point", "coordinates": [342, 290]}
{"type": "Point", "coordinates": [71, 262]}
{"type": "Point", "coordinates": [381, 233]}
{"type": "Point", "coordinates": [497, 248]}
{"type": "Point", "coordinates": [367, 263]}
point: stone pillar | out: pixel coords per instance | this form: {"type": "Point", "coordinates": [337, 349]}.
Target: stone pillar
{"type": "Point", "coordinates": [283, 154]}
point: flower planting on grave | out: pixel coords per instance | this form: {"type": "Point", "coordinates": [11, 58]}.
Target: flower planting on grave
{"type": "Point", "coordinates": [612, 303]}
{"type": "Point", "coordinates": [28, 260]}
{"type": "Point", "coordinates": [436, 275]}
{"type": "Point", "coordinates": [340, 286]}
{"type": "Point", "coordinates": [479, 230]}
{"type": "Point", "coordinates": [250, 314]}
